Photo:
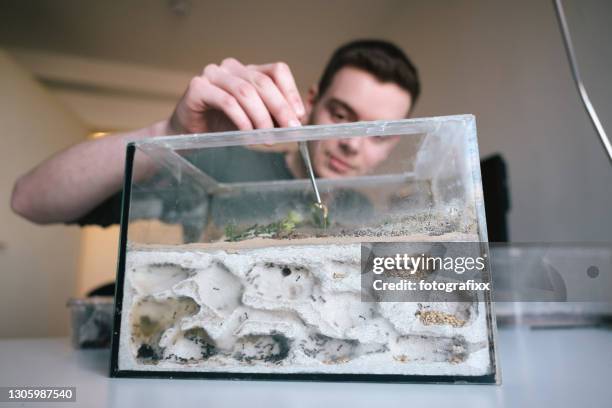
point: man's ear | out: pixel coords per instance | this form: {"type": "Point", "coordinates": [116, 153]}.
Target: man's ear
{"type": "Point", "coordinates": [311, 99]}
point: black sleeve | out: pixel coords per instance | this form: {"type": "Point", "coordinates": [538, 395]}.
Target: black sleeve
{"type": "Point", "coordinates": [106, 213]}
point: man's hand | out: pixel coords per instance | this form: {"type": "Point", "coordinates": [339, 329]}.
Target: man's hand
{"type": "Point", "coordinates": [234, 96]}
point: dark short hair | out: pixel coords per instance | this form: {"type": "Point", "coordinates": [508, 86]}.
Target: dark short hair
{"type": "Point", "coordinates": [384, 60]}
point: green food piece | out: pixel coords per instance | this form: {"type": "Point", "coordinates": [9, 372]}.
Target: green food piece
{"type": "Point", "coordinates": [294, 217]}
{"type": "Point", "coordinates": [279, 229]}
{"type": "Point", "coordinates": [319, 215]}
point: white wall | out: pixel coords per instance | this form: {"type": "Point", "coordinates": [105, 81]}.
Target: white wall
{"type": "Point", "coordinates": [504, 62]}
{"type": "Point", "coordinates": [98, 258]}
{"type": "Point", "coordinates": [38, 265]}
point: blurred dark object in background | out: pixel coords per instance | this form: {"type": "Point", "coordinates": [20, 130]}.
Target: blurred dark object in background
{"type": "Point", "coordinates": [104, 290]}
{"type": "Point", "coordinates": [496, 197]}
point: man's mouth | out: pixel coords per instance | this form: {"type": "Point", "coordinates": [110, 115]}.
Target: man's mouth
{"type": "Point", "coordinates": [338, 165]}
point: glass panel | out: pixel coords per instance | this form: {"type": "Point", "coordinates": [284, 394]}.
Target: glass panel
{"type": "Point", "coordinates": [229, 266]}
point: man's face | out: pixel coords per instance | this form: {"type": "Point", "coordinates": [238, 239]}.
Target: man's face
{"type": "Point", "coordinates": [355, 95]}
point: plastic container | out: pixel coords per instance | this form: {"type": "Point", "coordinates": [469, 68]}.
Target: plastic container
{"type": "Point", "coordinates": [91, 321]}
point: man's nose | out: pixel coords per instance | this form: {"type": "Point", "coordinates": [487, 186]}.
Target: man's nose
{"type": "Point", "coordinates": [350, 145]}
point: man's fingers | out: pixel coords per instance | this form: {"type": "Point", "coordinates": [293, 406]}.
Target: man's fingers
{"type": "Point", "coordinates": [283, 78]}
{"type": "Point", "coordinates": [203, 92]}
{"type": "Point", "coordinates": [276, 103]}
{"type": "Point", "coordinates": [243, 92]}
{"type": "Point", "coordinates": [250, 97]}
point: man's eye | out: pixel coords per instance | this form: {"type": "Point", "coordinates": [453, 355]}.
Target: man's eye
{"type": "Point", "coordinates": [338, 116]}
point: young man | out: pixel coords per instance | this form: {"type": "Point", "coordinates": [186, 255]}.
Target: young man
{"type": "Point", "coordinates": [364, 80]}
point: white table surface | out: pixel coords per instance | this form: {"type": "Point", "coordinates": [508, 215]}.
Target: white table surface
{"type": "Point", "coordinates": [540, 368]}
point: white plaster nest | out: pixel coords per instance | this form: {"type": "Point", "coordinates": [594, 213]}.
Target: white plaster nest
{"type": "Point", "coordinates": [251, 312]}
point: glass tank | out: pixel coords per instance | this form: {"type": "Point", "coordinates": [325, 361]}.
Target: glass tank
{"type": "Point", "coordinates": [229, 267]}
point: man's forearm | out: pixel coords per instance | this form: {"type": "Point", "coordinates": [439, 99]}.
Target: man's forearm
{"type": "Point", "coordinates": [72, 182]}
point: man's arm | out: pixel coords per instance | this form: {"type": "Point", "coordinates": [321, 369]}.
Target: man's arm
{"type": "Point", "coordinates": [72, 182]}
{"type": "Point", "coordinates": [225, 97]}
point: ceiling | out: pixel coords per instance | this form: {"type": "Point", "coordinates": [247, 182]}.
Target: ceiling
{"type": "Point", "coordinates": [150, 32]}
{"type": "Point", "coordinates": [100, 57]}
